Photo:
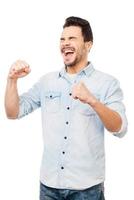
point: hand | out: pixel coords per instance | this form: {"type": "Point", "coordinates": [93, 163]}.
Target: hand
{"type": "Point", "coordinates": [19, 69]}
{"type": "Point", "coordinates": [81, 92]}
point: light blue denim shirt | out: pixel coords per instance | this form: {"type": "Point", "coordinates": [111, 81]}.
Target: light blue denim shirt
{"type": "Point", "coordinates": [73, 133]}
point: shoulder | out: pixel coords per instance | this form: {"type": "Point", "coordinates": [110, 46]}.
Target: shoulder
{"type": "Point", "coordinates": [104, 77]}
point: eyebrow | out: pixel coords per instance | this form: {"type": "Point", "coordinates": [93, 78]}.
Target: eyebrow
{"type": "Point", "coordinates": [71, 37]}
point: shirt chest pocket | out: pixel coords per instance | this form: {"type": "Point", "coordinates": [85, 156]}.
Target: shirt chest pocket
{"type": "Point", "coordinates": [52, 101]}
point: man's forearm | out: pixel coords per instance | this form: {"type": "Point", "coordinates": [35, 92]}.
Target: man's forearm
{"type": "Point", "coordinates": [11, 99]}
{"type": "Point", "coordinates": [111, 119]}
{"type": "Point", "coordinates": [18, 70]}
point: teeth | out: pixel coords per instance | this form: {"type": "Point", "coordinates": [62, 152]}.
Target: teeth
{"type": "Point", "coordinates": [66, 51]}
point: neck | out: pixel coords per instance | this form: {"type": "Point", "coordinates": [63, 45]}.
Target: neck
{"type": "Point", "coordinates": [76, 68]}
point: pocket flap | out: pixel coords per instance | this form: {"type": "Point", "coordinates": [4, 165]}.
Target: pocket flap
{"type": "Point", "coordinates": [52, 94]}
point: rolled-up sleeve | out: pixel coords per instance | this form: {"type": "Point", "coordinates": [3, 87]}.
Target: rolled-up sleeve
{"type": "Point", "coordinates": [113, 99]}
{"type": "Point", "coordinates": [29, 101]}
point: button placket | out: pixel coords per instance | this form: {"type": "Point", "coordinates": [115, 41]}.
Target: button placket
{"type": "Point", "coordinates": [67, 126]}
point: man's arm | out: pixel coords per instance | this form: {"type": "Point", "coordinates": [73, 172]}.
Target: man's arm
{"type": "Point", "coordinates": [18, 70]}
{"type": "Point", "coordinates": [11, 99]}
{"type": "Point", "coordinates": [110, 118]}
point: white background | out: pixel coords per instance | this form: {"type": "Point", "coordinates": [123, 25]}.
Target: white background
{"type": "Point", "coordinates": [30, 30]}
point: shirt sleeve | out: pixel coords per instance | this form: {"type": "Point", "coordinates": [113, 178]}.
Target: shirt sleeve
{"type": "Point", "coordinates": [113, 100]}
{"type": "Point", "coordinates": [29, 101]}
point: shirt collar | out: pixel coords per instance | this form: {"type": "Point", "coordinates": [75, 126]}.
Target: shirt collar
{"type": "Point", "coordinates": [86, 70]}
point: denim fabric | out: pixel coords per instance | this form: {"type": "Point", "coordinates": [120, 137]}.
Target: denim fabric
{"type": "Point", "coordinates": [73, 133]}
{"type": "Point", "coordinates": [94, 193]}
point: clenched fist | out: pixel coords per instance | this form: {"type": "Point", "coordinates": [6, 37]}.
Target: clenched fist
{"type": "Point", "coordinates": [81, 92]}
{"type": "Point", "coordinates": [19, 69]}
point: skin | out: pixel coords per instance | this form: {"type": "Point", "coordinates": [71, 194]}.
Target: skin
{"type": "Point", "coordinates": [72, 38]}
{"type": "Point", "coordinates": [18, 70]}
{"type": "Point", "coordinates": [75, 57]}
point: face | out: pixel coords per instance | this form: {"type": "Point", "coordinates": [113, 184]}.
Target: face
{"type": "Point", "coordinates": [73, 48]}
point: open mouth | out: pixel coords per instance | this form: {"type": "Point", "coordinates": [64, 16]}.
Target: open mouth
{"type": "Point", "coordinates": [68, 51]}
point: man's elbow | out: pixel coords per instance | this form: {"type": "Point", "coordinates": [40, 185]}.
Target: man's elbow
{"type": "Point", "coordinates": [116, 126]}
{"type": "Point", "coordinates": [12, 115]}
{"type": "Point", "coordinates": [122, 131]}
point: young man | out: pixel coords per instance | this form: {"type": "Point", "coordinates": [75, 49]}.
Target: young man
{"type": "Point", "coordinates": [77, 103]}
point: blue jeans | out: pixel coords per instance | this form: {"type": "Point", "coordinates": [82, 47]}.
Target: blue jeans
{"type": "Point", "coordinates": [94, 193]}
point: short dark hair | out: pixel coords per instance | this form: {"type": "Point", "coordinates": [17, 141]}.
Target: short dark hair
{"type": "Point", "coordinates": [83, 24]}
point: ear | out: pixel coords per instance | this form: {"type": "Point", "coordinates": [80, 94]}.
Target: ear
{"type": "Point", "coordinates": [89, 45]}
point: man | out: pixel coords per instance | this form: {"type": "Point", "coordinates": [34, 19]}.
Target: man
{"type": "Point", "coordinates": [77, 103]}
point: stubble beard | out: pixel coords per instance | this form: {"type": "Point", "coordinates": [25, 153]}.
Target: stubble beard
{"type": "Point", "coordinates": [74, 63]}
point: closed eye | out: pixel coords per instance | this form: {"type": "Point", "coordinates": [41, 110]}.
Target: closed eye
{"type": "Point", "coordinates": [62, 39]}
{"type": "Point", "coordinates": [72, 38]}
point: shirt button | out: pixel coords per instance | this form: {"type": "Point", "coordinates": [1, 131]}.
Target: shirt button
{"type": "Point", "coordinates": [63, 152]}
{"type": "Point", "coordinates": [70, 94]}
{"type": "Point", "coordinates": [68, 108]}
{"type": "Point", "coordinates": [62, 167]}
{"type": "Point", "coordinates": [50, 96]}
{"type": "Point", "coordinates": [65, 137]}
{"type": "Point", "coordinates": [67, 122]}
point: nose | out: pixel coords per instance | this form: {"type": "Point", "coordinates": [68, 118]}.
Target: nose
{"type": "Point", "coordinates": [66, 42]}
